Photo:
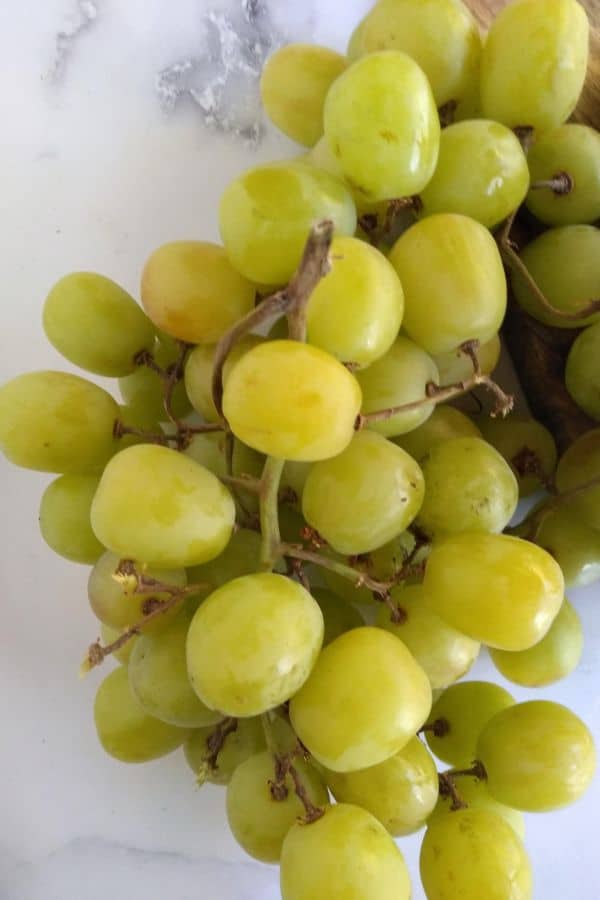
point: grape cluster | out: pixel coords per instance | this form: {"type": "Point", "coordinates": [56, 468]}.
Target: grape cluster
{"type": "Point", "coordinates": [298, 545]}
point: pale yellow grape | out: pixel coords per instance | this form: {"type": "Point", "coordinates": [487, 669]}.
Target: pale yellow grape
{"type": "Point", "coordinates": [444, 423]}
{"type": "Point", "coordinates": [247, 740]}
{"type": "Point", "coordinates": [253, 643]}
{"type": "Point", "coordinates": [199, 372]}
{"type": "Point", "coordinates": [292, 401]}
{"type": "Point", "coordinates": [525, 444]}
{"type": "Point", "coordinates": [574, 545]}
{"type": "Point", "coordinates": [125, 731]}
{"type": "Point", "coordinates": [534, 62]}
{"type": "Point", "coordinates": [338, 616]}
{"type": "Point", "coordinates": [456, 366]}
{"type": "Point", "coordinates": [579, 465]}
{"type": "Point", "coordinates": [474, 792]}
{"type": "Point", "coordinates": [266, 213]}
{"type": "Point", "coordinates": [293, 87]}
{"type": "Point", "coordinates": [498, 589]}
{"type": "Point", "coordinates": [65, 518]}
{"type": "Point", "coordinates": [537, 756]}
{"type": "Point", "coordinates": [240, 557]}
{"type": "Point", "coordinates": [382, 126]}
{"type": "Point", "coordinates": [474, 854]}
{"type": "Point", "coordinates": [345, 855]}
{"type": "Point", "coordinates": [143, 390]}
{"type": "Point", "coordinates": [453, 280]}
{"type": "Point", "coordinates": [582, 372]}
{"type": "Point", "coordinates": [55, 422]}
{"type": "Point", "coordinates": [364, 700]}
{"type": "Point", "coordinates": [109, 635]}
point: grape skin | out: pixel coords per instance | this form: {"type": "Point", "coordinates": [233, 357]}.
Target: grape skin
{"type": "Point", "coordinates": [579, 465]}
{"type": "Point", "coordinates": [65, 518]}
{"type": "Point", "coordinates": [199, 369]}
{"type": "Point", "coordinates": [582, 372]}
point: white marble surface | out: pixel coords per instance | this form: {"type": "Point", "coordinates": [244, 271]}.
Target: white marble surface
{"type": "Point", "coordinates": [94, 173]}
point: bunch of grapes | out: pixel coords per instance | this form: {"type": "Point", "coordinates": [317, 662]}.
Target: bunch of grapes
{"type": "Point", "coordinates": [299, 543]}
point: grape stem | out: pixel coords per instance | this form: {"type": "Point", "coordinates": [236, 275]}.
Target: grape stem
{"type": "Point", "coordinates": [174, 374]}
{"type": "Point", "coordinates": [477, 770]}
{"type": "Point", "coordinates": [388, 229]}
{"type": "Point", "coordinates": [269, 512]}
{"type": "Point", "coordinates": [149, 437]}
{"type": "Point", "coordinates": [448, 789]}
{"type": "Point", "coordinates": [439, 728]}
{"type": "Point", "coordinates": [214, 744]}
{"type": "Point", "coordinates": [284, 766]}
{"type": "Point", "coordinates": [560, 184]}
{"type": "Point", "coordinates": [361, 579]}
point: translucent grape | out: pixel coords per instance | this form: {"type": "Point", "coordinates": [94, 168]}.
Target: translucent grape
{"type": "Point", "coordinates": [109, 635]}
{"type": "Point", "coordinates": [474, 792]}
{"type": "Point", "coordinates": [338, 616]}
{"type": "Point", "coordinates": [65, 518]}
{"type": "Point", "coordinates": [143, 390]}
{"type": "Point", "coordinates": [526, 445]}
{"type": "Point", "coordinates": [240, 557]}
{"type": "Point", "coordinates": [573, 544]}
{"type": "Point", "coordinates": [199, 371]}
{"type": "Point", "coordinates": [247, 740]}
{"type": "Point", "coordinates": [579, 465]}
{"type": "Point", "coordinates": [582, 372]}
{"type": "Point", "coordinates": [444, 423]}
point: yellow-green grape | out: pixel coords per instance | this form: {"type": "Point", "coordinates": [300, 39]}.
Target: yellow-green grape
{"type": "Point", "coordinates": [400, 377]}
{"type": "Point", "coordinates": [364, 700]}
{"type": "Point", "coordinates": [526, 445]}
{"type": "Point", "coordinates": [355, 49]}
{"type": "Point", "coordinates": [456, 366]}
{"type": "Point", "coordinates": [338, 616]}
{"type": "Point", "coordinates": [463, 711]}
{"type": "Point", "coordinates": [574, 545]}
{"type": "Point", "coordinates": [481, 172]}
{"type": "Point", "coordinates": [293, 87]}
{"type": "Point", "coordinates": [356, 311]}
{"type": "Point", "coordinates": [579, 465]}
{"type": "Point", "coordinates": [443, 653]}
{"type": "Point", "coordinates": [292, 401]}
{"type": "Point", "coordinates": [253, 643]}
{"type": "Point", "coordinates": [573, 150]}
{"type": "Point", "coordinates": [474, 792]}
{"type": "Point", "coordinates": [539, 86]}
{"type": "Point", "coordinates": [401, 791]}
{"type": "Point", "coordinates": [159, 506]}
{"type": "Point", "coordinates": [247, 740]}
{"type": "Point", "coordinates": [453, 280]}
{"type": "Point", "coordinates": [365, 496]}
{"type": "Point", "coordinates": [472, 854]}
{"type": "Point", "coordinates": [199, 372]}
{"type": "Point", "coordinates": [210, 451]}
{"type": "Point", "coordinates": [444, 423]}
{"type": "Point", "coordinates": [109, 635]}
{"type": "Point", "coordinates": [553, 658]}
{"type": "Point", "coordinates": [537, 756]}
{"type": "Point", "coordinates": [258, 822]}
{"type": "Point", "coordinates": [125, 731]}
{"type": "Point", "coordinates": [498, 589]}
{"type": "Point", "coordinates": [65, 518]}
{"type": "Point", "coordinates": [240, 557]}
{"type": "Point", "coordinates": [382, 126]}
{"type": "Point", "coordinates": [266, 213]}
{"type": "Point", "coordinates": [55, 422]}
{"type": "Point", "coordinates": [469, 487]}
{"type": "Point", "coordinates": [138, 418]}
{"type": "Point", "coordinates": [294, 476]}
{"type": "Point", "coordinates": [345, 855]}
{"type": "Point", "coordinates": [582, 372]}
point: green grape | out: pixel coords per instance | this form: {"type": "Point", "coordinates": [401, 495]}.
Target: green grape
{"type": "Point", "coordinates": [582, 372]}
{"type": "Point", "coordinates": [474, 854]}
{"type": "Point", "coordinates": [239, 745]}
{"type": "Point", "coordinates": [356, 311]}
{"type": "Point", "coordinates": [65, 518]}
{"type": "Point", "coordinates": [453, 280]}
{"type": "Point", "coordinates": [481, 172]}
{"type": "Point", "coordinates": [253, 643]}
{"type": "Point", "coordinates": [240, 557]}
{"type": "Point", "coordinates": [443, 653]}
{"type": "Point", "coordinates": [469, 487]}
{"type": "Point", "coordinates": [134, 417]}
{"type": "Point", "coordinates": [399, 377]}
{"type": "Point", "coordinates": [537, 756]}
{"type": "Point", "coordinates": [364, 700]}
{"type": "Point", "coordinates": [293, 87]}
{"type": "Point", "coordinates": [474, 792]}
{"type": "Point", "coordinates": [534, 62]}
{"type": "Point", "coordinates": [579, 465]}
{"type": "Point", "coordinates": [159, 506]}
{"type": "Point", "coordinates": [292, 401]}
{"type": "Point", "coordinates": [338, 616]}
{"type": "Point", "coordinates": [575, 150]}
{"type": "Point", "coordinates": [456, 366]}
{"type": "Point", "coordinates": [465, 709]}
{"type": "Point", "coordinates": [553, 658]}
{"type": "Point", "coordinates": [294, 476]}
{"type": "Point", "coordinates": [199, 372]}
{"type": "Point", "coordinates": [526, 445]}
{"type": "Point", "coordinates": [55, 422]}
{"type": "Point", "coordinates": [109, 635]}
{"type": "Point", "coordinates": [143, 390]}
{"type": "Point", "coordinates": [266, 214]}
{"type": "Point", "coordinates": [565, 264]}
{"type": "Point", "coordinates": [365, 496]}
{"type": "Point", "coordinates": [444, 423]}
{"type": "Point", "coordinates": [382, 126]}
{"type": "Point", "coordinates": [574, 545]}
{"type": "Point", "coordinates": [401, 791]}
{"type": "Point", "coordinates": [498, 589]}
{"type": "Point", "coordinates": [382, 564]}
{"type": "Point", "coordinates": [257, 821]}
{"type": "Point", "coordinates": [210, 451]}
{"type": "Point", "coordinates": [355, 48]}
{"type": "Point", "coordinates": [95, 324]}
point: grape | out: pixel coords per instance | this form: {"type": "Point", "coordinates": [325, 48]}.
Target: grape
{"type": "Point", "coordinates": [553, 658]}
{"type": "Point", "coordinates": [345, 855]}
{"type": "Point", "coordinates": [292, 401]}
{"type": "Point", "coordinates": [364, 700]}
{"type": "Point", "coordinates": [258, 822]}
{"type": "Point", "coordinates": [365, 496]}
{"type": "Point", "coordinates": [199, 371]}
{"type": "Point", "coordinates": [109, 635]}
{"type": "Point", "coordinates": [143, 390]}
{"type": "Point", "coordinates": [382, 126]}
{"type": "Point", "coordinates": [537, 756]}
{"type": "Point", "coordinates": [293, 88]}
{"type": "Point", "coordinates": [355, 49]}
{"type": "Point", "coordinates": [497, 589]}
{"type": "Point", "coordinates": [481, 172]}
{"type": "Point", "coordinates": [565, 264]}
{"type": "Point", "coordinates": [444, 423]}
{"type": "Point", "coordinates": [574, 545]}
{"type": "Point", "coordinates": [399, 377]}
{"type": "Point", "coordinates": [125, 731]}
{"type": "Point", "coordinates": [239, 558]}
{"type": "Point", "coordinates": [65, 518]}
{"type": "Point", "coordinates": [465, 708]}
{"type": "Point", "coordinates": [338, 616]}
{"type": "Point", "coordinates": [294, 477]}
{"type": "Point", "coordinates": [158, 506]}
{"type": "Point", "coordinates": [473, 854]}
{"type": "Point", "coordinates": [582, 373]}
{"type": "Point", "coordinates": [247, 739]}
{"type": "Point", "coordinates": [577, 466]}
{"type": "Point", "coordinates": [456, 366]}
{"type": "Point", "coordinates": [526, 445]}
{"type": "Point", "coordinates": [266, 214]}
{"type": "Point", "coordinates": [55, 422]}
{"type": "Point", "coordinates": [574, 149]}
{"type": "Point", "coordinates": [401, 792]}
{"type": "Point", "coordinates": [534, 62]}
{"type": "Point", "coordinates": [443, 653]}
{"type": "Point", "coordinates": [253, 643]}
{"type": "Point", "coordinates": [136, 417]}
{"type": "Point", "coordinates": [474, 792]}
{"type": "Point", "coordinates": [453, 280]}
{"type": "Point", "coordinates": [210, 451]}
